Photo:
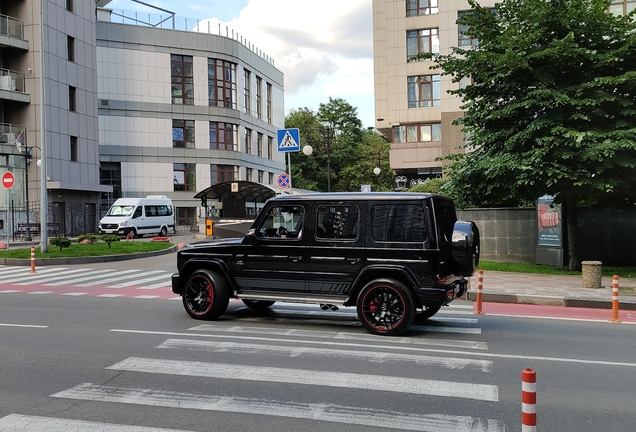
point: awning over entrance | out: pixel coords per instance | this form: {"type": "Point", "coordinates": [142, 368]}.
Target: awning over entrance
{"type": "Point", "coordinates": [238, 190]}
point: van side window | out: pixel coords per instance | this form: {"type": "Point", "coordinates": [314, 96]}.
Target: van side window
{"type": "Point", "coordinates": [398, 223]}
{"type": "Point", "coordinates": [137, 212]}
{"type": "Point", "coordinates": [337, 222]}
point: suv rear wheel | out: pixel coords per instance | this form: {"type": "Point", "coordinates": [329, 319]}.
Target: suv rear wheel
{"type": "Point", "coordinates": [386, 307]}
{"type": "Point", "coordinates": [205, 295]}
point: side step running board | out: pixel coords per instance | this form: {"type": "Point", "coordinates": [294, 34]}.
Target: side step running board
{"type": "Point", "coordinates": [327, 299]}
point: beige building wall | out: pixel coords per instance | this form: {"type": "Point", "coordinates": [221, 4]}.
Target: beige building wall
{"type": "Point", "coordinates": [391, 71]}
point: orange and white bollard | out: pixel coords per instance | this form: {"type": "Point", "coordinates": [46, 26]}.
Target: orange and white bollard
{"type": "Point", "coordinates": [32, 259]}
{"type": "Point", "coordinates": [480, 289]}
{"type": "Point", "coordinates": [615, 299]}
{"type": "Point", "coordinates": [528, 400]}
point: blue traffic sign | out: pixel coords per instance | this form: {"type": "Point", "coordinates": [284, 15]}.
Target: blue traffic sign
{"type": "Point", "coordinates": [284, 181]}
{"type": "Point", "coordinates": [288, 140]}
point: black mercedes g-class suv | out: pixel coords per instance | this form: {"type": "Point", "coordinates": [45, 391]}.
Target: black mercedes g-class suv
{"type": "Point", "coordinates": [395, 256]}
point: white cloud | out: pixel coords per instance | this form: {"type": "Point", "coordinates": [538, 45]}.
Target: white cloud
{"type": "Point", "coordinates": [323, 48]}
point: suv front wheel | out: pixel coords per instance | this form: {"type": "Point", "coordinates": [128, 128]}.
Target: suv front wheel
{"type": "Point", "coordinates": [386, 307]}
{"type": "Point", "coordinates": [205, 295]}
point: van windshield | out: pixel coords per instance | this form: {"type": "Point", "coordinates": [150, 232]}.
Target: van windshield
{"type": "Point", "coordinates": [120, 210]}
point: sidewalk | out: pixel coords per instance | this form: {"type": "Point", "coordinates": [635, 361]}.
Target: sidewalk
{"type": "Point", "coordinates": [550, 290]}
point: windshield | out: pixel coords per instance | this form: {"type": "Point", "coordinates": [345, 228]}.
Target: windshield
{"type": "Point", "coordinates": [120, 210]}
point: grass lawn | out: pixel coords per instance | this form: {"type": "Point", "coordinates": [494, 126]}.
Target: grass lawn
{"type": "Point", "coordinates": [623, 272]}
{"type": "Point", "coordinates": [82, 250]}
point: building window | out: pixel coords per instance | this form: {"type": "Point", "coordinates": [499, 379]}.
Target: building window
{"type": "Point", "coordinates": [259, 144]}
{"type": "Point", "coordinates": [260, 176]}
{"type": "Point", "coordinates": [424, 91]}
{"type": "Point", "coordinates": [270, 148]}
{"type": "Point", "coordinates": [70, 48]}
{"type": "Point", "coordinates": [422, 41]}
{"type": "Point", "coordinates": [221, 83]}
{"type": "Point", "coordinates": [421, 7]}
{"type": "Point", "coordinates": [223, 136]}
{"type": "Point", "coordinates": [248, 174]}
{"type": "Point", "coordinates": [247, 102]}
{"type": "Point", "coordinates": [182, 86]}
{"type": "Point", "coordinates": [248, 141]}
{"type": "Point", "coordinates": [69, 5]}
{"type": "Point", "coordinates": [222, 173]}
{"type": "Point", "coordinates": [271, 178]}
{"type": "Point", "coordinates": [72, 98]}
{"type": "Point", "coordinates": [622, 7]}
{"type": "Point", "coordinates": [74, 155]}
{"type": "Point", "coordinates": [109, 174]}
{"type": "Point", "coordinates": [417, 133]}
{"type": "Point", "coordinates": [268, 112]}
{"type": "Point", "coordinates": [187, 217]}
{"type": "Point", "coordinates": [463, 39]}
{"type": "Point", "coordinates": [183, 133]}
{"type": "Point", "coordinates": [259, 98]}
{"type": "Point", "coordinates": [185, 176]}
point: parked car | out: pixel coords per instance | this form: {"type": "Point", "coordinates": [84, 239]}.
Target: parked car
{"type": "Point", "coordinates": [138, 216]}
{"type": "Point", "coordinates": [396, 257]}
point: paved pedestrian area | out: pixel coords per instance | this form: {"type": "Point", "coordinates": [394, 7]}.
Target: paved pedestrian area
{"type": "Point", "coordinates": [550, 289]}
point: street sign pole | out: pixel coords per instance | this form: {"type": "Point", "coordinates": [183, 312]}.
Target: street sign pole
{"type": "Point", "coordinates": [291, 188]}
{"type": "Point", "coordinates": [8, 180]}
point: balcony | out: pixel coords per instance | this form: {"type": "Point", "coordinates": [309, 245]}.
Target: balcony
{"type": "Point", "coordinates": [12, 33]}
{"type": "Point", "coordinates": [8, 136]}
{"type": "Point", "coordinates": [12, 86]}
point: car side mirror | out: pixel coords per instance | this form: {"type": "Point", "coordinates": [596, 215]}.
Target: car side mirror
{"type": "Point", "coordinates": [250, 237]}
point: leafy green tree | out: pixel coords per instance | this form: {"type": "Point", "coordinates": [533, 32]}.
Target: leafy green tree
{"type": "Point", "coordinates": [431, 186]}
{"type": "Point", "coordinates": [61, 242]}
{"type": "Point", "coordinates": [372, 152]}
{"type": "Point", "coordinates": [109, 238]}
{"type": "Point", "coordinates": [552, 108]}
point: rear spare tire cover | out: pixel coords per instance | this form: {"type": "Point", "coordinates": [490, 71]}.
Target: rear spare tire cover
{"type": "Point", "coordinates": [465, 248]}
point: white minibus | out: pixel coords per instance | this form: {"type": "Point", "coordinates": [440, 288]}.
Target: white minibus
{"type": "Point", "coordinates": [138, 216]}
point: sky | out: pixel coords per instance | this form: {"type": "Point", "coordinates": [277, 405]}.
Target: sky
{"type": "Point", "coordinates": [324, 48]}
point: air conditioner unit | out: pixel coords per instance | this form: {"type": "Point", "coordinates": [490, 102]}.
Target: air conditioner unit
{"type": "Point", "coordinates": [6, 83]}
{"type": "Point", "coordinates": [7, 138]}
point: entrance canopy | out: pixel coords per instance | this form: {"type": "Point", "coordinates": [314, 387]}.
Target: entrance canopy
{"type": "Point", "coordinates": [238, 190]}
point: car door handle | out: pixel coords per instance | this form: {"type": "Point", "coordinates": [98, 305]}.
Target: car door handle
{"type": "Point", "coordinates": [354, 260]}
{"type": "Point", "coordinates": [295, 258]}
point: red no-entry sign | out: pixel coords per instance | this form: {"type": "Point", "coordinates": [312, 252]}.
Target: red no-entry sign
{"type": "Point", "coordinates": [8, 180]}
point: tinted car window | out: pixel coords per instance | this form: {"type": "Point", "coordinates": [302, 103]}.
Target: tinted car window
{"type": "Point", "coordinates": [398, 223]}
{"type": "Point", "coordinates": [337, 222]}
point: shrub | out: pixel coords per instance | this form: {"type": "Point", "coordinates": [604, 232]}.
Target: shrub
{"type": "Point", "coordinates": [109, 238]}
{"type": "Point", "coordinates": [92, 238]}
{"type": "Point", "coordinates": [431, 186]}
{"type": "Point", "coordinates": [60, 242]}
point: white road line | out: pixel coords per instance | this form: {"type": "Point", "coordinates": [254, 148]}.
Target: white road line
{"type": "Point", "coordinates": [42, 292]}
{"type": "Point", "coordinates": [123, 274]}
{"type": "Point", "coordinates": [146, 297]}
{"type": "Point", "coordinates": [455, 320]}
{"type": "Point", "coordinates": [346, 335]}
{"type": "Point", "coordinates": [22, 423]}
{"type": "Point", "coordinates": [6, 271]}
{"type": "Point", "coordinates": [483, 392]}
{"type": "Point", "coordinates": [141, 281]}
{"type": "Point", "coordinates": [26, 275]}
{"type": "Point", "coordinates": [94, 274]}
{"type": "Point", "coordinates": [10, 291]}
{"type": "Point", "coordinates": [292, 351]}
{"type": "Point", "coordinates": [75, 294]}
{"type": "Point", "coordinates": [445, 312]}
{"type": "Point", "coordinates": [110, 295]}
{"type": "Point", "coordinates": [384, 346]}
{"type": "Point", "coordinates": [46, 278]}
{"type": "Point", "coordinates": [439, 329]}
{"type": "Point", "coordinates": [164, 284]}
{"type": "Point", "coordinates": [290, 409]}
{"type": "Point", "coordinates": [23, 325]}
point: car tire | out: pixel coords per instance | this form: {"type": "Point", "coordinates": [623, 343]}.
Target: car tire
{"type": "Point", "coordinates": [386, 307]}
{"type": "Point", "coordinates": [426, 313]}
{"type": "Point", "coordinates": [163, 232]}
{"type": "Point", "coordinates": [258, 304]}
{"type": "Point", "coordinates": [205, 295]}
{"type": "Point", "coordinates": [465, 248]}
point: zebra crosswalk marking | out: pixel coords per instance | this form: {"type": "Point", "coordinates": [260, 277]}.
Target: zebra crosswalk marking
{"type": "Point", "coordinates": [17, 422]}
{"type": "Point", "coordinates": [295, 351]}
{"type": "Point", "coordinates": [23, 276]}
{"type": "Point", "coordinates": [91, 274]}
{"type": "Point", "coordinates": [299, 410]}
{"type": "Point", "coordinates": [140, 281]}
{"type": "Point", "coordinates": [483, 392]}
{"type": "Point", "coordinates": [123, 274]}
{"type": "Point", "coordinates": [36, 279]}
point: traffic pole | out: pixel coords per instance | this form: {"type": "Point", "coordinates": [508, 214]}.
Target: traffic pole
{"type": "Point", "coordinates": [615, 300]}
{"type": "Point", "coordinates": [528, 400]}
{"type": "Point", "coordinates": [32, 259]}
{"type": "Point", "coordinates": [480, 289]}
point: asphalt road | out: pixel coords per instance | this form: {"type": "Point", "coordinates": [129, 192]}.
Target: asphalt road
{"type": "Point", "coordinates": [97, 363]}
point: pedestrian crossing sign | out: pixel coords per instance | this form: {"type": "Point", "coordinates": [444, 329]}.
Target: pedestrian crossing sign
{"type": "Point", "coordinates": [288, 140]}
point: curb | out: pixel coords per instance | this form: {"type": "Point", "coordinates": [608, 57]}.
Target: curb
{"type": "Point", "coordinates": [580, 302]}
{"type": "Point", "coordinates": [85, 260]}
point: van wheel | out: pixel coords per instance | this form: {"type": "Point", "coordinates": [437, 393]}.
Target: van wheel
{"type": "Point", "coordinates": [258, 304]}
{"type": "Point", "coordinates": [386, 307]}
{"type": "Point", "coordinates": [205, 295]}
{"type": "Point", "coordinates": [426, 313]}
{"type": "Point", "coordinates": [163, 232]}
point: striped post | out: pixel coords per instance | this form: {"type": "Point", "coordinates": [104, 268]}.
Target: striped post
{"type": "Point", "coordinates": [615, 300]}
{"type": "Point", "coordinates": [480, 289]}
{"type": "Point", "coordinates": [528, 400]}
{"type": "Point", "coordinates": [32, 259]}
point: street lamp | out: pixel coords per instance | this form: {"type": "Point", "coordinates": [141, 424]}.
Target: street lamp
{"type": "Point", "coordinates": [308, 150]}
{"type": "Point", "coordinates": [27, 161]}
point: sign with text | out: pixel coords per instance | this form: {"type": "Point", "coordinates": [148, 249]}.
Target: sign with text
{"type": "Point", "coordinates": [549, 221]}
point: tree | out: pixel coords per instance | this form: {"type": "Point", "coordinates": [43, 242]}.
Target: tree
{"type": "Point", "coordinates": [372, 152]}
{"type": "Point", "coordinates": [552, 108]}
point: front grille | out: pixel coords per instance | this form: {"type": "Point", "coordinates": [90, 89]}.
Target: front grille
{"type": "Point", "coordinates": [110, 226]}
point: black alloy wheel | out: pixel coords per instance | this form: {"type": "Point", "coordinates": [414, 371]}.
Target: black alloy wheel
{"type": "Point", "coordinates": [386, 307]}
{"type": "Point", "coordinates": [205, 295]}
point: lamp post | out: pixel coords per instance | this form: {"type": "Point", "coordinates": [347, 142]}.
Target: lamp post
{"type": "Point", "coordinates": [308, 150]}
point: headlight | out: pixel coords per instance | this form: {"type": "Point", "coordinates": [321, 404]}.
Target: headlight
{"type": "Point", "coordinates": [123, 224]}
